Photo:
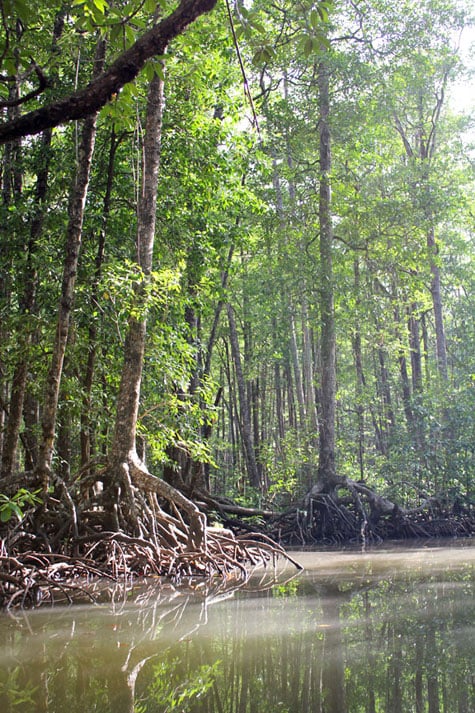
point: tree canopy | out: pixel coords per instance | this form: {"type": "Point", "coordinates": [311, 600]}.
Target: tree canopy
{"type": "Point", "coordinates": [252, 293]}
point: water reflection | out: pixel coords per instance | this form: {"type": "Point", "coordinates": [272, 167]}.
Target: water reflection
{"type": "Point", "coordinates": [380, 632]}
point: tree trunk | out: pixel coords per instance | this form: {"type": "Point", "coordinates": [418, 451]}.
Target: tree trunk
{"type": "Point", "coordinates": [290, 395]}
{"type": "Point", "coordinates": [245, 413]}
{"type": "Point", "coordinates": [436, 292]}
{"type": "Point", "coordinates": [308, 367]}
{"type": "Point", "coordinates": [85, 435]}
{"type": "Point", "coordinates": [31, 419]}
{"type": "Point", "coordinates": [279, 401]}
{"type": "Point", "coordinates": [425, 349]}
{"type": "Point", "coordinates": [123, 445]}
{"type": "Point", "coordinates": [294, 353]}
{"type": "Point", "coordinates": [415, 347]}
{"type": "Point", "coordinates": [387, 420]}
{"type": "Point", "coordinates": [326, 468]}
{"type": "Point", "coordinates": [405, 383]}
{"type": "Point", "coordinates": [126, 469]}
{"type": "Point", "coordinates": [27, 309]}
{"type": "Point", "coordinates": [360, 379]}
{"type": "Point", "coordinates": [73, 244]}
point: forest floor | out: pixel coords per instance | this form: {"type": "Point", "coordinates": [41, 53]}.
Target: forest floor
{"type": "Point", "coordinates": [57, 554]}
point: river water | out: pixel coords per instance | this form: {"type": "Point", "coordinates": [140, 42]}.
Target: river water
{"type": "Point", "coordinates": [388, 630]}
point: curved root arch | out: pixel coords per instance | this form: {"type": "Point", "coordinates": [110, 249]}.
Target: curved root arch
{"type": "Point", "coordinates": [56, 553]}
{"type": "Point", "coordinates": [353, 512]}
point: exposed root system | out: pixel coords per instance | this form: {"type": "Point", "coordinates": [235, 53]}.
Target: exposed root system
{"type": "Point", "coordinates": [31, 577]}
{"type": "Point", "coordinates": [141, 527]}
{"type": "Point", "coordinates": [59, 553]}
{"type": "Point", "coordinates": [352, 512]}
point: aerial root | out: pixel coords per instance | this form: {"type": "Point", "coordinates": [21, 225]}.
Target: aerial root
{"type": "Point", "coordinates": [29, 578]}
{"type": "Point", "coordinates": [353, 512]}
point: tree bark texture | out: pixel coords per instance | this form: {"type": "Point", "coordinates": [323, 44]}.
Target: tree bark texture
{"type": "Point", "coordinates": [415, 347]}
{"type": "Point", "coordinates": [297, 370]}
{"type": "Point", "coordinates": [360, 378]}
{"type": "Point", "coordinates": [405, 383]}
{"type": "Point", "coordinates": [128, 400]}
{"type": "Point", "coordinates": [127, 469]}
{"type": "Point", "coordinates": [436, 292]}
{"type": "Point", "coordinates": [308, 369]}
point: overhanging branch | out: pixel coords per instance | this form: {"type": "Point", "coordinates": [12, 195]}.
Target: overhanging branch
{"type": "Point", "coordinates": [125, 69]}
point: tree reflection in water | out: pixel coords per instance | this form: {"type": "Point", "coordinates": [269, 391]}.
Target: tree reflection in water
{"type": "Point", "coordinates": [369, 640]}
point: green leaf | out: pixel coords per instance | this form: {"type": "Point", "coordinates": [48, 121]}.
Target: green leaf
{"type": "Point", "coordinates": [258, 26]}
{"type": "Point", "coordinates": [101, 5]}
{"type": "Point", "coordinates": [5, 514]}
{"type": "Point", "coordinates": [160, 71]}
{"type": "Point", "coordinates": [315, 19]}
{"type": "Point", "coordinates": [263, 55]}
{"type": "Point", "coordinates": [116, 32]}
{"type": "Point", "coordinates": [16, 510]}
{"type": "Point", "coordinates": [23, 10]}
{"type": "Point", "coordinates": [10, 66]}
{"type": "Point", "coordinates": [323, 12]}
{"type": "Point", "coordinates": [130, 35]}
{"type": "Point", "coordinates": [308, 46]}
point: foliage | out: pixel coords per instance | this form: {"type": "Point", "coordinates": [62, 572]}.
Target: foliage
{"type": "Point", "coordinates": [238, 220]}
{"type": "Point", "coordinates": [288, 466]}
{"type": "Point", "coordinates": [15, 690]}
{"type": "Point", "coordinates": [186, 692]}
{"type": "Point", "coordinates": [15, 506]}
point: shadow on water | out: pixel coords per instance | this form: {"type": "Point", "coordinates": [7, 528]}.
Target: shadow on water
{"type": "Point", "coordinates": [384, 631]}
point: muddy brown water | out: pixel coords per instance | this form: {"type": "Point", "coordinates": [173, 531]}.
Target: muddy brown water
{"type": "Point", "coordinates": [388, 630]}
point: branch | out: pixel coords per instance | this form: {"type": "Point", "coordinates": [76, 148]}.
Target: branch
{"type": "Point", "coordinates": [43, 83]}
{"type": "Point", "coordinates": [403, 136]}
{"type": "Point", "coordinates": [439, 101]}
{"type": "Point", "coordinates": [247, 91]}
{"type": "Point", "coordinates": [125, 69]}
